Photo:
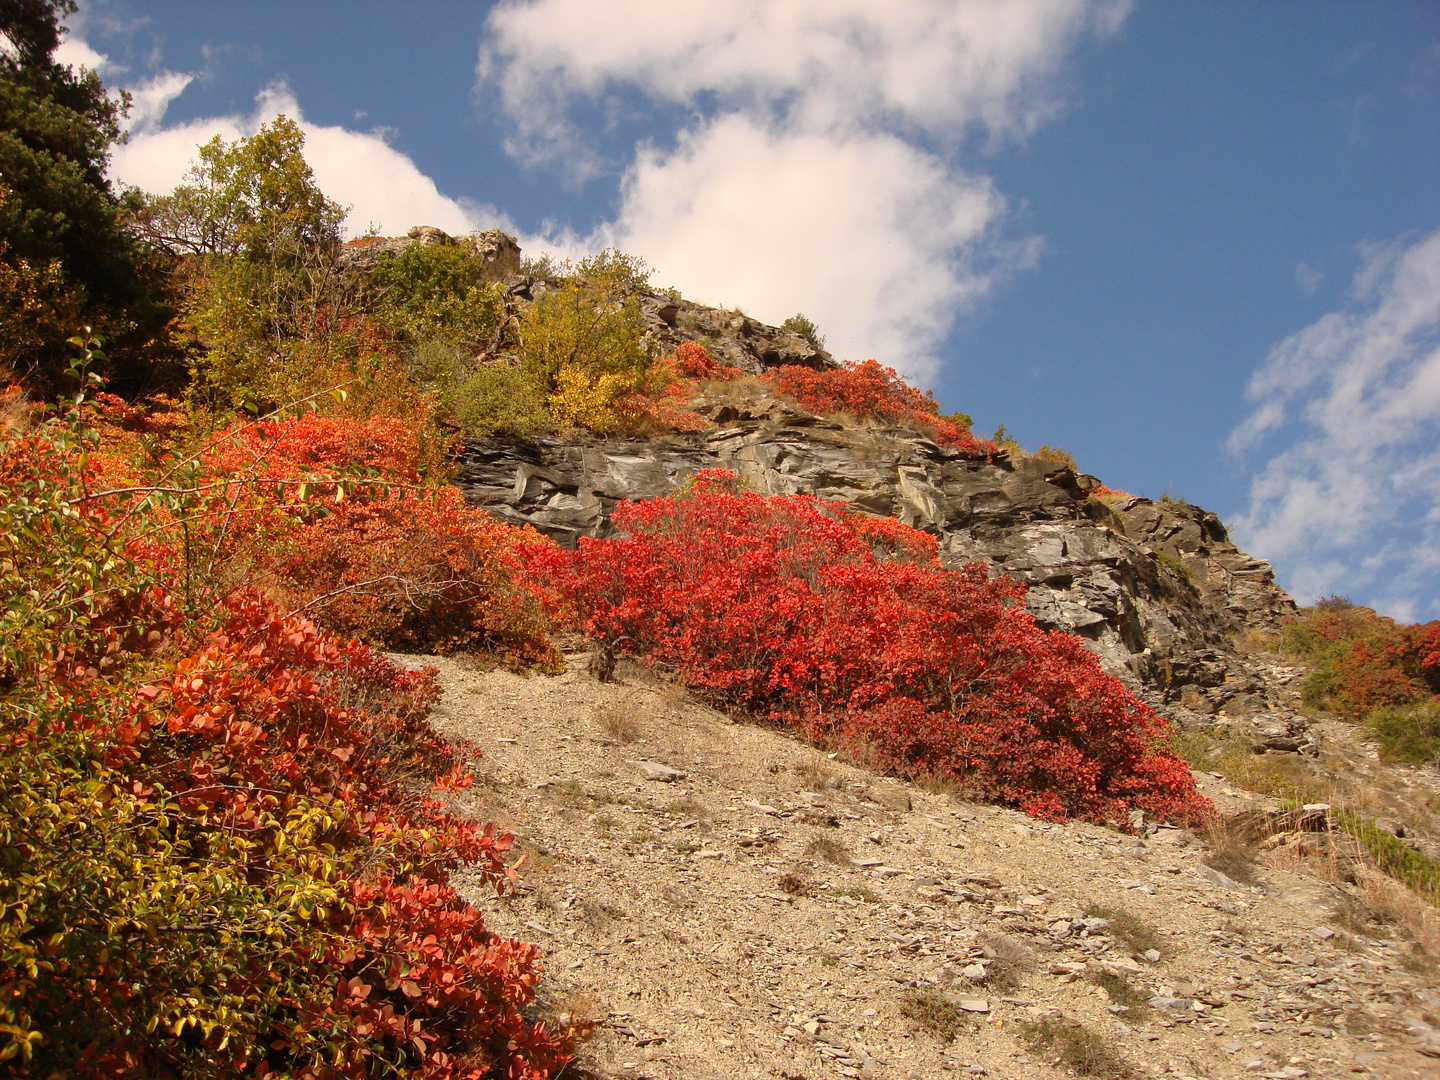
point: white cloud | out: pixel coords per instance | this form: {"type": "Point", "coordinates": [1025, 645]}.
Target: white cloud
{"type": "Point", "coordinates": [75, 52]}
{"type": "Point", "coordinates": [812, 171]}
{"type": "Point", "coordinates": [1349, 411]}
{"type": "Point", "coordinates": [358, 169]}
{"type": "Point", "coordinates": [860, 233]}
{"type": "Point", "coordinates": [150, 99]}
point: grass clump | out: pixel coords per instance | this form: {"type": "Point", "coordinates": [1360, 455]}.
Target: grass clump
{"type": "Point", "coordinates": [1009, 963]}
{"type": "Point", "coordinates": [829, 848]}
{"type": "Point", "coordinates": [1408, 733]}
{"type": "Point", "coordinates": [1403, 863]}
{"type": "Point", "coordinates": [620, 720]}
{"type": "Point", "coordinates": [857, 892]}
{"type": "Point", "coordinates": [1232, 851]}
{"type": "Point", "coordinates": [1127, 926]}
{"type": "Point", "coordinates": [1173, 562]}
{"type": "Point", "coordinates": [1075, 1047]}
{"type": "Point", "coordinates": [936, 1013]}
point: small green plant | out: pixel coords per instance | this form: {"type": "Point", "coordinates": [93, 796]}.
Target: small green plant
{"type": "Point", "coordinates": [1173, 562]}
{"type": "Point", "coordinates": [1127, 926]}
{"type": "Point", "coordinates": [1075, 1047]}
{"type": "Point", "coordinates": [1409, 733]}
{"type": "Point", "coordinates": [936, 1013]}
{"type": "Point", "coordinates": [806, 328]}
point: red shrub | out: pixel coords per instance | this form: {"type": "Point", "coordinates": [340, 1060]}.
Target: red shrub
{"type": "Point", "coordinates": [334, 516]}
{"type": "Point", "coordinates": [693, 362]}
{"type": "Point", "coordinates": [847, 627]}
{"type": "Point", "coordinates": [226, 849]}
{"type": "Point", "coordinates": [869, 390]}
{"type": "Point", "coordinates": [1361, 660]}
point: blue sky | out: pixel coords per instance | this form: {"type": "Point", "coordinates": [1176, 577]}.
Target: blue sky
{"type": "Point", "coordinates": [1197, 245]}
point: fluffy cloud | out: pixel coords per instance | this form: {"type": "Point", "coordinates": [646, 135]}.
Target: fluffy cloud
{"type": "Point", "coordinates": [811, 168]}
{"type": "Point", "coordinates": [358, 169]}
{"type": "Point", "coordinates": [1348, 410]}
{"type": "Point", "coordinates": [863, 233]}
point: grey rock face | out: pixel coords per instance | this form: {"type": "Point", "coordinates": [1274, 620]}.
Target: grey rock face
{"type": "Point", "coordinates": [498, 250]}
{"type": "Point", "coordinates": [1162, 623]}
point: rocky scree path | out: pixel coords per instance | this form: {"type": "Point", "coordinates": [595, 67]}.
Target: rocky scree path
{"type": "Point", "coordinates": [728, 902]}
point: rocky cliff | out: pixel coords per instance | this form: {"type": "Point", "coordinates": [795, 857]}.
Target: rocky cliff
{"type": "Point", "coordinates": [1157, 589]}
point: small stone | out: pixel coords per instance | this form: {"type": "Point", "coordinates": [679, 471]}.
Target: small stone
{"type": "Point", "coordinates": [811, 1027]}
{"type": "Point", "coordinates": [1153, 955]}
{"type": "Point", "coordinates": [1324, 933]}
{"type": "Point", "coordinates": [653, 770]}
{"type": "Point", "coordinates": [975, 1005]}
{"type": "Point", "coordinates": [974, 972]}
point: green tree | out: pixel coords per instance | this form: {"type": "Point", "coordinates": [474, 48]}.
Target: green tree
{"type": "Point", "coordinates": [64, 243]}
{"type": "Point", "coordinates": [440, 291]}
{"type": "Point", "coordinates": [262, 242]}
{"type": "Point", "coordinates": [255, 198]}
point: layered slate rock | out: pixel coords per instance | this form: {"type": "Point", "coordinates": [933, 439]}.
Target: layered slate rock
{"type": "Point", "coordinates": [1164, 622]}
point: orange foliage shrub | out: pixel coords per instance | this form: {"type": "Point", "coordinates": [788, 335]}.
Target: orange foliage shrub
{"type": "Point", "coordinates": [227, 851]}
{"type": "Point", "coordinates": [870, 390]}
{"type": "Point", "coordinates": [1363, 661]}
{"type": "Point", "coordinates": [847, 627]}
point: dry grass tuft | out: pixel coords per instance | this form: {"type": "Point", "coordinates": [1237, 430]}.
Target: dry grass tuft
{"type": "Point", "coordinates": [1076, 1048]}
{"type": "Point", "coordinates": [816, 772]}
{"type": "Point", "coordinates": [831, 849]}
{"type": "Point", "coordinates": [622, 720]}
{"type": "Point", "coordinates": [794, 884]}
{"type": "Point", "coordinates": [1128, 927]}
{"type": "Point", "coordinates": [1233, 850]}
{"type": "Point", "coordinates": [1010, 961]}
{"type": "Point", "coordinates": [934, 1012]}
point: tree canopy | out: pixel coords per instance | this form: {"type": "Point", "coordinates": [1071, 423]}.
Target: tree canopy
{"type": "Point", "coordinates": [67, 259]}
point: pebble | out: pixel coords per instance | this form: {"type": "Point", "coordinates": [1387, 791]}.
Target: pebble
{"type": "Point", "coordinates": [653, 770]}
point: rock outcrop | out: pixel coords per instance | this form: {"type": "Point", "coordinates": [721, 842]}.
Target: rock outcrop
{"type": "Point", "coordinates": [1157, 589]}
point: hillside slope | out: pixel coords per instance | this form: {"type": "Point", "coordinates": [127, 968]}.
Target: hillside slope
{"type": "Point", "coordinates": [729, 903]}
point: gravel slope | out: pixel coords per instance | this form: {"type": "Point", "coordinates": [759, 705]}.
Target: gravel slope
{"type": "Point", "coordinates": [771, 912]}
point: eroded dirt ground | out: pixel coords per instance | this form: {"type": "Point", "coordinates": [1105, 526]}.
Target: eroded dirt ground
{"type": "Point", "coordinates": [771, 912]}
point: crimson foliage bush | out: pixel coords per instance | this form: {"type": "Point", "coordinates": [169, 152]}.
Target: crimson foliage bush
{"type": "Point", "coordinates": [225, 849]}
{"type": "Point", "coordinates": [848, 628]}
{"type": "Point", "coordinates": [870, 390]}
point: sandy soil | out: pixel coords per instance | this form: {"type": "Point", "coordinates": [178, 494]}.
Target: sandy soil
{"type": "Point", "coordinates": [771, 912]}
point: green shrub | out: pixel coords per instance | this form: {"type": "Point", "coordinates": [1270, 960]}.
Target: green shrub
{"type": "Point", "coordinates": [614, 272]}
{"type": "Point", "coordinates": [497, 398]}
{"type": "Point", "coordinates": [806, 328]}
{"type": "Point", "coordinates": [1407, 732]}
{"type": "Point", "coordinates": [437, 291]}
